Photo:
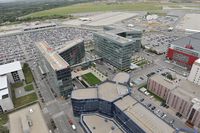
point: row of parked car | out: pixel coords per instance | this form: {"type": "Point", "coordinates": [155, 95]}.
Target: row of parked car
{"type": "Point", "coordinates": [157, 112]}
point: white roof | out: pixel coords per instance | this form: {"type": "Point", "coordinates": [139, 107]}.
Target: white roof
{"type": "Point", "coordinates": [3, 92]}
{"type": "Point", "coordinates": [198, 60]}
{"type": "Point", "coordinates": [10, 67]}
{"type": "Point", "coordinates": [3, 82]}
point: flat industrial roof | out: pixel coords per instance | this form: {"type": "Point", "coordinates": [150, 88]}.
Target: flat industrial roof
{"type": "Point", "coordinates": [101, 126]}
{"type": "Point", "coordinates": [107, 90]}
{"type": "Point", "coordinates": [10, 67]}
{"type": "Point", "coordinates": [121, 77]}
{"type": "Point", "coordinates": [68, 45]}
{"type": "Point", "coordinates": [163, 81]}
{"type": "Point", "coordinates": [3, 82]}
{"type": "Point", "coordinates": [191, 90]}
{"type": "Point", "coordinates": [115, 38]}
{"type": "Point", "coordinates": [110, 91]}
{"type": "Point", "coordinates": [145, 119]}
{"type": "Point", "coordinates": [197, 62]}
{"type": "Point", "coordinates": [190, 22]}
{"type": "Point", "coordinates": [88, 93]}
{"type": "Point", "coordinates": [19, 120]}
{"type": "Point", "coordinates": [193, 40]}
{"type": "Point", "coordinates": [55, 60]}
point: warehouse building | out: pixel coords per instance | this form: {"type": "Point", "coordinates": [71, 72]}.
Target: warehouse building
{"type": "Point", "coordinates": [13, 71]}
{"type": "Point", "coordinates": [57, 70]}
{"type": "Point", "coordinates": [185, 51]}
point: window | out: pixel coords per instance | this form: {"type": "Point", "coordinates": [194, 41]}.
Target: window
{"type": "Point", "coordinates": [4, 96]}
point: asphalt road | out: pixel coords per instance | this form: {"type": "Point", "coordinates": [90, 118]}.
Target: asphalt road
{"type": "Point", "coordinates": [55, 108]}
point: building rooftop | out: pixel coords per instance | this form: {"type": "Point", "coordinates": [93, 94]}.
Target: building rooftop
{"type": "Point", "coordinates": [193, 40]}
{"type": "Point", "coordinates": [107, 90]}
{"type": "Point", "coordinates": [163, 81]}
{"type": "Point", "coordinates": [3, 82]}
{"type": "Point", "coordinates": [101, 126]}
{"type": "Point", "coordinates": [56, 62]}
{"type": "Point", "coordinates": [149, 122]}
{"type": "Point", "coordinates": [29, 119]}
{"type": "Point", "coordinates": [89, 93]}
{"type": "Point", "coordinates": [110, 91]}
{"type": "Point", "coordinates": [191, 90]}
{"type": "Point", "coordinates": [68, 45]}
{"type": "Point", "coordinates": [121, 77]}
{"type": "Point", "coordinates": [116, 38]}
{"type": "Point", "coordinates": [10, 67]}
{"type": "Point", "coordinates": [197, 62]}
{"type": "Point", "coordinates": [119, 30]}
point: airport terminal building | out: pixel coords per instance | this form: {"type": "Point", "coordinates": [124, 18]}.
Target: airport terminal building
{"type": "Point", "coordinates": [57, 70]}
{"type": "Point", "coordinates": [112, 99]}
{"type": "Point", "coordinates": [117, 47]}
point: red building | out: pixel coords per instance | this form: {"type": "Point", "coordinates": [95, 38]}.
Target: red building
{"type": "Point", "coordinates": [185, 51]}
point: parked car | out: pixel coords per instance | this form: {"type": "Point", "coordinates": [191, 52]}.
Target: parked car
{"type": "Point", "coordinates": [171, 122]}
{"type": "Point", "coordinates": [141, 100]}
{"type": "Point", "coordinates": [153, 108]}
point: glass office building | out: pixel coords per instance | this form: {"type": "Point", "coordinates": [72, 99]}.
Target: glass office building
{"type": "Point", "coordinates": [57, 70]}
{"type": "Point", "coordinates": [117, 47]}
{"type": "Point", "coordinates": [73, 51]}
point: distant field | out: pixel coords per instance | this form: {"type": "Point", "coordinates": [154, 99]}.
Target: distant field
{"type": "Point", "coordinates": [94, 7]}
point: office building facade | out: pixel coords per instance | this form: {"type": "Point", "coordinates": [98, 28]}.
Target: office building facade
{"type": "Point", "coordinates": [114, 51]}
{"type": "Point", "coordinates": [178, 95]}
{"type": "Point", "coordinates": [194, 75]}
{"type": "Point", "coordinates": [58, 71]}
{"type": "Point", "coordinates": [6, 103]}
{"type": "Point", "coordinates": [117, 46]}
{"type": "Point", "coordinates": [73, 51]}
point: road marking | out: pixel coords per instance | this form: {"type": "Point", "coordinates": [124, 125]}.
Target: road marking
{"type": "Point", "coordinates": [51, 102]}
{"type": "Point", "coordinates": [58, 114]}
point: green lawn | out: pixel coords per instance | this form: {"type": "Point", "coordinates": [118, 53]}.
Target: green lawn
{"type": "Point", "coordinates": [24, 100]}
{"type": "Point", "coordinates": [17, 85]}
{"type": "Point", "coordinates": [91, 79]}
{"type": "Point", "coordinates": [95, 7]}
{"type": "Point", "coordinates": [3, 119]}
{"type": "Point", "coordinates": [28, 87]}
{"type": "Point", "coordinates": [28, 74]}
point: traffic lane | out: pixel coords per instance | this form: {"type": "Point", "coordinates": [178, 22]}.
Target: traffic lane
{"type": "Point", "coordinates": [67, 107]}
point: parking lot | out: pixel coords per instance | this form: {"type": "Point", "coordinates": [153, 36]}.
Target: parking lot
{"type": "Point", "coordinates": [158, 108]}
{"type": "Point", "coordinates": [158, 42]}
